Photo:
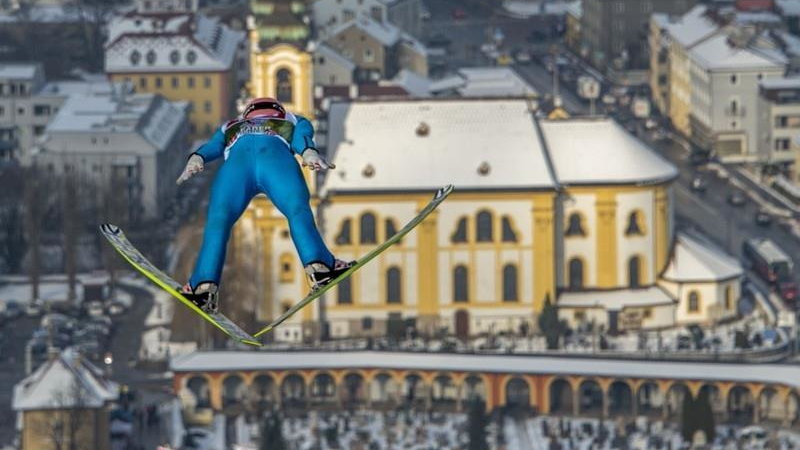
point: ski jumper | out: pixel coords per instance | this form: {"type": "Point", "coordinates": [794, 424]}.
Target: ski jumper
{"type": "Point", "coordinates": [259, 158]}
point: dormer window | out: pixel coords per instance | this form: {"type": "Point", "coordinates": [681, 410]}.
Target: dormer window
{"type": "Point", "coordinates": [191, 57]}
{"type": "Point", "coordinates": [151, 57]}
{"type": "Point", "coordinates": [174, 57]}
{"type": "Point", "coordinates": [136, 57]}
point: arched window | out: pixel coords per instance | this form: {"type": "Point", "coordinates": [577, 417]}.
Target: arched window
{"type": "Point", "coordinates": [284, 88]}
{"type": "Point", "coordinates": [508, 230]}
{"type": "Point", "coordinates": [151, 57]}
{"type": "Point", "coordinates": [286, 268]}
{"type": "Point", "coordinates": [634, 275]}
{"type": "Point", "coordinates": [460, 235]}
{"type": "Point", "coordinates": [484, 225]}
{"type": "Point", "coordinates": [694, 302]}
{"type": "Point", "coordinates": [728, 298]}
{"type": "Point", "coordinates": [391, 228]}
{"type": "Point", "coordinates": [575, 273]}
{"type": "Point", "coordinates": [393, 288]}
{"type": "Point", "coordinates": [344, 236]}
{"type": "Point", "coordinates": [460, 284]}
{"type": "Point", "coordinates": [344, 292]}
{"type": "Point", "coordinates": [136, 57]}
{"type": "Point", "coordinates": [575, 225]}
{"type": "Point", "coordinates": [367, 229]}
{"type": "Point", "coordinates": [510, 283]}
{"type": "Point", "coordinates": [635, 225]}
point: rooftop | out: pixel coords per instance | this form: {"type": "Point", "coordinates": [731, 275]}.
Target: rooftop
{"type": "Point", "coordinates": [65, 381]}
{"type": "Point", "coordinates": [689, 29]}
{"type": "Point", "coordinates": [615, 300]}
{"type": "Point", "coordinates": [718, 53]}
{"type": "Point", "coordinates": [177, 42]}
{"type": "Point", "coordinates": [114, 108]}
{"type": "Point", "coordinates": [19, 71]}
{"type": "Point", "coordinates": [484, 82]}
{"type": "Point", "coordinates": [695, 260]}
{"type": "Point", "coordinates": [453, 141]}
{"type": "Point", "coordinates": [600, 151]}
{"type": "Point", "coordinates": [221, 361]}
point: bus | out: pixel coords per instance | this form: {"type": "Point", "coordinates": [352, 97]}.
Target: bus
{"type": "Point", "coordinates": [771, 264]}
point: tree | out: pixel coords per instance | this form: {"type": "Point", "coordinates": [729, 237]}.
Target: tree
{"type": "Point", "coordinates": [550, 325]}
{"type": "Point", "coordinates": [688, 418]}
{"type": "Point", "coordinates": [477, 421]}
{"type": "Point", "coordinates": [33, 224]}
{"type": "Point", "coordinates": [64, 425]}
{"type": "Point", "coordinates": [705, 415]}
{"type": "Point", "coordinates": [94, 16]}
{"type": "Point", "coordinates": [70, 215]}
{"type": "Point", "coordinates": [12, 219]}
{"type": "Point", "coordinates": [272, 433]}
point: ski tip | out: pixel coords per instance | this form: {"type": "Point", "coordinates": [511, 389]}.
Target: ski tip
{"type": "Point", "coordinates": [252, 342]}
{"type": "Point", "coordinates": [109, 228]}
{"type": "Point", "coordinates": [446, 190]}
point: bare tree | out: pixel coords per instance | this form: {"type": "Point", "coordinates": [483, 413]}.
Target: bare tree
{"type": "Point", "coordinates": [70, 215]}
{"type": "Point", "coordinates": [12, 226]}
{"type": "Point", "coordinates": [68, 419]}
{"type": "Point", "coordinates": [33, 224]}
{"type": "Point", "coordinates": [95, 15]}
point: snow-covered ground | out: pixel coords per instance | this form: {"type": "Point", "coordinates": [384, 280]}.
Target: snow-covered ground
{"type": "Point", "coordinates": [50, 291]}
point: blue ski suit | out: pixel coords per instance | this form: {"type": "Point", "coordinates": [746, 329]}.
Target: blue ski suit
{"type": "Point", "coordinates": [259, 158]}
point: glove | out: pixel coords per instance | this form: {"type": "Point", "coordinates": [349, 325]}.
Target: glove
{"type": "Point", "coordinates": [193, 166]}
{"type": "Point", "coordinates": [313, 161]}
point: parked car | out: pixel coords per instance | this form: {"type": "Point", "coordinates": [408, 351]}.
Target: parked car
{"type": "Point", "coordinates": [737, 198]}
{"type": "Point", "coordinates": [115, 308]}
{"type": "Point", "coordinates": [522, 57]}
{"type": "Point", "coordinates": [13, 310]}
{"type": "Point", "coordinates": [94, 308]}
{"type": "Point", "coordinates": [763, 218]}
{"type": "Point", "coordinates": [439, 40]}
{"type": "Point", "coordinates": [698, 158]}
{"type": "Point", "coordinates": [34, 308]}
{"type": "Point", "coordinates": [699, 184]}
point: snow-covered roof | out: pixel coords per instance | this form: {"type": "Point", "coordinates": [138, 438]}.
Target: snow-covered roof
{"type": "Point", "coordinates": [116, 110]}
{"type": "Point", "coordinates": [694, 260]}
{"type": "Point", "coordinates": [601, 151]}
{"type": "Point", "coordinates": [575, 8]}
{"type": "Point", "coordinates": [64, 381]}
{"type": "Point", "coordinates": [615, 300]}
{"type": "Point", "coordinates": [717, 53]}
{"type": "Point", "coordinates": [414, 83]}
{"type": "Point", "coordinates": [485, 82]}
{"type": "Point", "coordinates": [464, 135]}
{"type": "Point", "coordinates": [50, 14]}
{"type": "Point", "coordinates": [175, 43]}
{"type": "Point", "coordinates": [525, 8]}
{"type": "Point", "coordinates": [461, 136]}
{"type": "Point", "coordinates": [18, 71]}
{"type": "Point", "coordinates": [691, 28]}
{"type": "Point", "coordinates": [385, 33]}
{"type": "Point", "coordinates": [68, 87]}
{"type": "Point", "coordinates": [781, 83]}
{"type": "Point", "coordinates": [757, 17]}
{"type": "Point", "coordinates": [790, 43]}
{"type": "Point", "coordinates": [329, 52]}
{"type": "Point", "coordinates": [789, 7]}
{"type": "Point", "coordinates": [783, 374]}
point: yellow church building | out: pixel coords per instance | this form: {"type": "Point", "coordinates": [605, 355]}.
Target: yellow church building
{"type": "Point", "coordinates": [576, 212]}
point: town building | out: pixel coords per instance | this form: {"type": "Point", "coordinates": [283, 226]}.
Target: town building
{"type": "Point", "coordinates": [726, 70]}
{"type": "Point", "coordinates": [585, 386]}
{"type": "Point", "coordinates": [132, 144]}
{"type": "Point", "coordinates": [65, 403]}
{"type": "Point", "coordinates": [378, 49]}
{"type": "Point", "coordinates": [572, 33]}
{"type": "Point", "coordinates": [779, 124]}
{"type": "Point", "coordinates": [671, 37]}
{"type": "Point", "coordinates": [581, 229]}
{"type": "Point", "coordinates": [26, 107]}
{"type": "Point", "coordinates": [613, 32]}
{"type": "Point", "coordinates": [281, 20]}
{"type": "Point", "coordinates": [327, 15]}
{"type": "Point", "coordinates": [169, 50]}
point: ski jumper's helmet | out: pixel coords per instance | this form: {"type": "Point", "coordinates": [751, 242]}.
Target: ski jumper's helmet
{"type": "Point", "coordinates": [265, 107]}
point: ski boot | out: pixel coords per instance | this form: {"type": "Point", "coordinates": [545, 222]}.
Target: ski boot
{"type": "Point", "coordinates": [205, 296]}
{"type": "Point", "coordinates": [320, 274]}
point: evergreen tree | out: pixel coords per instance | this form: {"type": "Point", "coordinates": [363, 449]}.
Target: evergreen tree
{"type": "Point", "coordinates": [549, 324]}
{"type": "Point", "coordinates": [477, 421]}
{"type": "Point", "coordinates": [272, 433]}
{"type": "Point", "coordinates": [705, 415]}
{"type": "Point", "coordinates": [688, 418]}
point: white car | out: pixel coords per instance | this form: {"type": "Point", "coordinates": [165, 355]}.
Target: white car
{"type": "Point", "coordinates": [34, 308]}
{"type": "Point", "coordinates": [95, 309]}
